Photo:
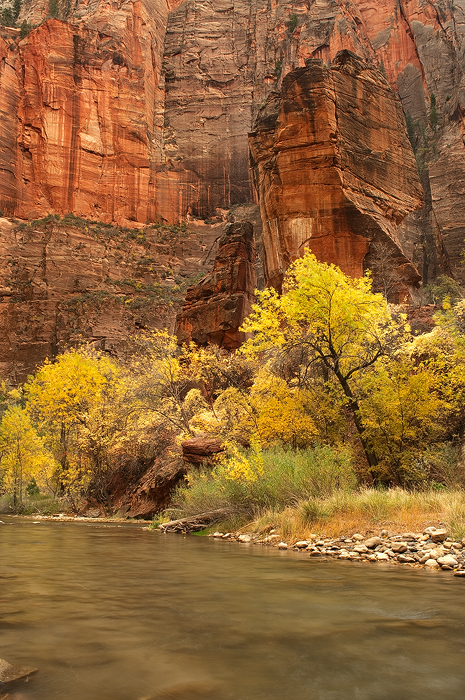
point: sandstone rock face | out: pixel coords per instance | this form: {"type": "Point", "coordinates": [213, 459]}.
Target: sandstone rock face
{"type": "Point", "coordinates": [333, 168]}
{"type": "Point", "coordinates": [151, 493]}
{"type": "Point", "coordinates": [140, 112]}
{"type": "Point", "coordinates": [64, 283]}
{"type": "Point", "coordinates": [222, 61]}
{"type": "Point", "coordinates": [87, 102]}
{"type": "Point", "coordinates": [216, 307]}
{"type": "Point", "coordinates": [209, 82]}
{"type": "Point", "coordinates": [201, 449]}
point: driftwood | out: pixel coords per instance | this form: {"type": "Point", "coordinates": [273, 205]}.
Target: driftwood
{"type": "Point", "coordinates": [193, 523]}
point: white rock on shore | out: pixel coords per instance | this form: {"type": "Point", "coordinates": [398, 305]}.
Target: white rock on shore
{"type": "Point", "coordinates": [399, 547]}
{"type": "Point", "coordinates": [439, 535]}
{"type": "Point", "coordinates": [245, 538]}
{"type": "Point", "coordinates": [448, 560]}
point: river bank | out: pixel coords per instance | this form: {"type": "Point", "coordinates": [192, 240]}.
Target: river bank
{"type": "Point", "coordinates": [432, 549]}
{"type": "Point", "coordinates": [65, 518]}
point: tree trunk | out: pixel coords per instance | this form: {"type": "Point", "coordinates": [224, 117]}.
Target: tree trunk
{"type": "Point", "coordinates": [354, 408]}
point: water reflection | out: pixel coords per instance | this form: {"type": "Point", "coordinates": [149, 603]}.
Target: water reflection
{"type": "Point", "coordinates": [118, 613]}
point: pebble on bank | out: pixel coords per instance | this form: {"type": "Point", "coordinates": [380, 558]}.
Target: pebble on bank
{"type": "Point", "coordinates": [433, 548]}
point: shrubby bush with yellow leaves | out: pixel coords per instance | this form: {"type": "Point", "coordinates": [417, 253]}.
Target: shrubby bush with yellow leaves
{"type": "Point", "coordinates": [274, 478]}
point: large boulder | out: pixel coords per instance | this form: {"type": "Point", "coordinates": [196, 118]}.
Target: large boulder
{"type": "Point", "coordinates": [11, 672]}
{"type": "Point", "coordinates": [201, 449]}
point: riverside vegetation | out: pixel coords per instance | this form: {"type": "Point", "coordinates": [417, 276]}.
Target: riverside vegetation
{"type": "Point", "coordinates": [334, 417]}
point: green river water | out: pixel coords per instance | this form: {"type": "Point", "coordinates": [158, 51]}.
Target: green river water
{"type": "Point", "coordinates": [111, 612]}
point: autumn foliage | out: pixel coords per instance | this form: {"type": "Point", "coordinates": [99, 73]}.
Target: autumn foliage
{"type": "Point", "coordinates": [329, 370]}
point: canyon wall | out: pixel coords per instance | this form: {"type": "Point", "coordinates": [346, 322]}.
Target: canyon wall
{"type": "Point", "coordinates": [139, 111]}
{"type": "Point", "coordinates": [83, 112]}
{"type": "Point", "coordinates": [222, 60]}
{"type": "Point", "coordinates": [67, 282]}
{"type": "Point", "coordinates": [216, 306]}
{"type": "Point", "coordinates": [334, 169]}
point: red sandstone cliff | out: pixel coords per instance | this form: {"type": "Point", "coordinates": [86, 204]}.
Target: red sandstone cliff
{"type": "Point", "coordinates": [333, 168]}
{"type": "Point", "coordinates": [82, 106]}
{"type": "Point", "coordinates": [216, 307]}
{"type": "Point", "coordinates": [222, 60]}
{"type": "Point", "coordinates": [140, 111]}
{"type": "Point", "coordinates": [65, 282]}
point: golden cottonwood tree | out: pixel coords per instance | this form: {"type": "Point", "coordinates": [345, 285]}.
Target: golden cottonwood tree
{"type": "Point", "coordinates": [23, 454]}
{"type": "Point", "coordinates": [75, 401]}
{"type": "Point", "coordinates": [340, 322]}
{"type": "Point", "coordinates": [402, 409]}
{"type": "Point", "coordinates": [162, 378]}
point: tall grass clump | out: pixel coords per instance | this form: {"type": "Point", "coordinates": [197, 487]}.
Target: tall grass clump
{"type": "Point", "coordinates": [394, 508]}
{"type": "Point", "coordinates": [251, 481]}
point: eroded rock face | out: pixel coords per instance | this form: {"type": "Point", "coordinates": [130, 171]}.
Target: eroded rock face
{"type": "Point", "coordinates": [152, 492]}
{"type": "Point", "coordinates": [333, 168]}
{"type": "Point", "coordinates": [83, 104]}
{"type": "Point", "coordinates": [223, 60]}
{"type": "Point", "coordinates": [196, 451]}
{"type": "Point", "coordinates": [64, 283]}
{"type": "Point", "coordinates": [216, 307]}
{"type": "Point", "coordinates": [141, 112]}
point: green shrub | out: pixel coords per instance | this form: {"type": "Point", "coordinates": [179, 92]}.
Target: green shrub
{"type": "Point", "coordinates": [38, 504]}
{"type": "Point", "coordinates": [287, 477]}
{"type": "Point", "coordinates": [278, 66]}
{"type": "Point", "coordinates": [24, 29]}
{"type": "Point", "coordinates": [54, 8]}
{"type": "Point", "coordinates": [445, 288]}
{"type": "Point", "coordinates": [293, 22]}
{"type": "Point", "coordinates": [6, 18]}
{"type": "Point", "coordinates": [32, 489]}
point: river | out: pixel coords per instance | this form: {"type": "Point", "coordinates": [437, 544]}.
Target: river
{"type": "Point", "coordinates": [115, 612]}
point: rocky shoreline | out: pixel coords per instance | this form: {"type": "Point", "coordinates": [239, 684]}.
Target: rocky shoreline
{"type": "Point", "coordinates": [431, 549]}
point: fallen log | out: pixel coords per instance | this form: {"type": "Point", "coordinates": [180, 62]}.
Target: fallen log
{"type": "Point", "coordinates": [193, 523]}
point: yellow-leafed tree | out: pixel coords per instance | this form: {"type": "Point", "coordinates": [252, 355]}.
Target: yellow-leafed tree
{"type": "Point", "coordinates": [23, 455]}
{"type": "Point", "coordinates": [76, 401]}
{"type": "Point", "coordinates": [340, 323]}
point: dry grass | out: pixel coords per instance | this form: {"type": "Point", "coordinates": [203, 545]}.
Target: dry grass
{"type": "Point", "coordinates": [367, 511]}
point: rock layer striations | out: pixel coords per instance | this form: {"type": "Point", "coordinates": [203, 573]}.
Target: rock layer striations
{"type": "Point", "coordinates": [140, 112]}
{"type": "Point", "coordinates": [63, 283]}
{"type": "Point", "coordinates": [82, 108]}
{"type": "Point", "coordinates": [216, 307]}
{"type": "Point", "coordinates": [333, 168]}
